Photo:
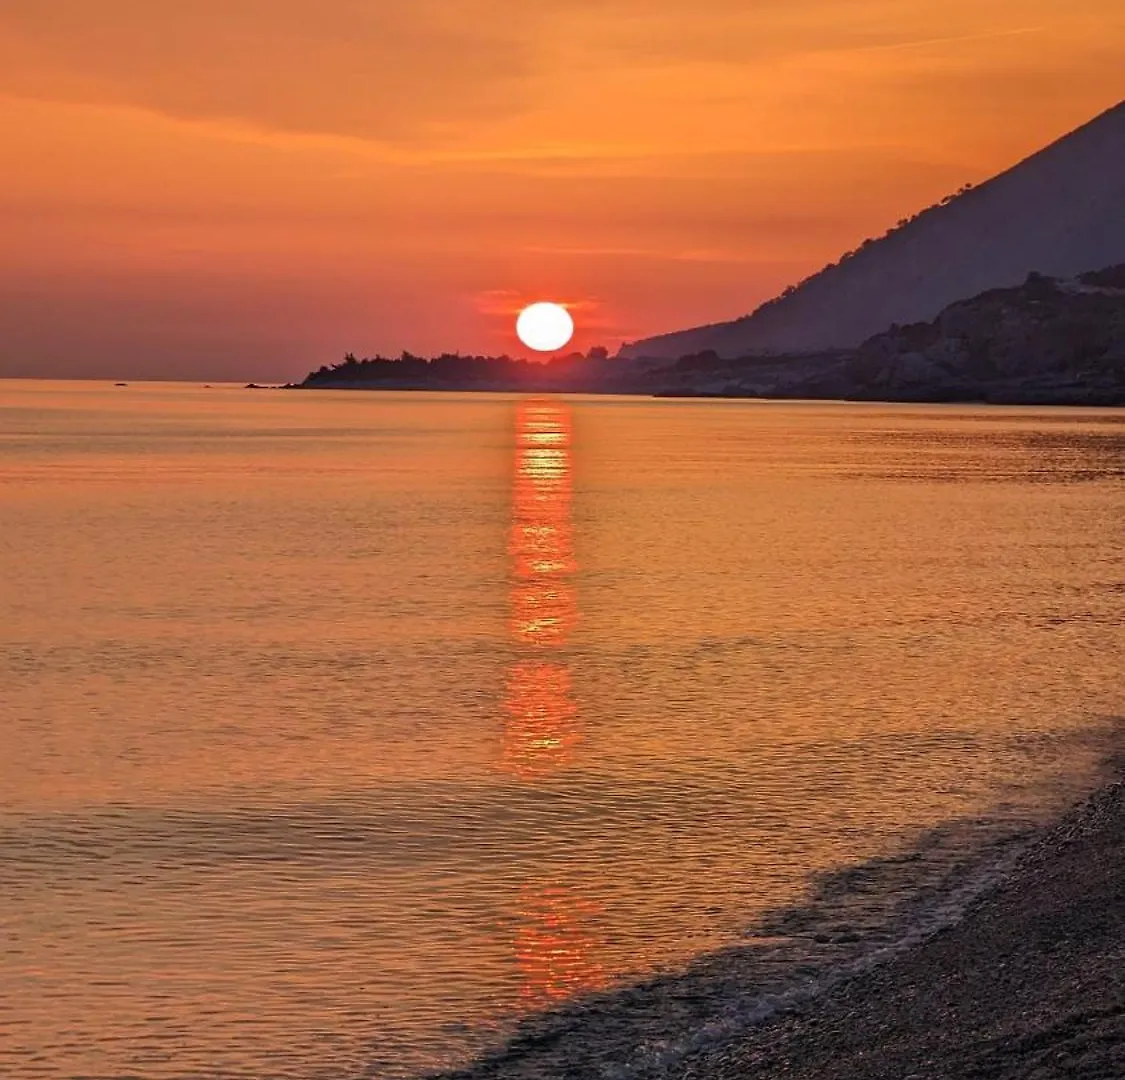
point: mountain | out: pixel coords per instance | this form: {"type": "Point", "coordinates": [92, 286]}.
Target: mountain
{"type": "Point", "coordinates": [1058, 212]}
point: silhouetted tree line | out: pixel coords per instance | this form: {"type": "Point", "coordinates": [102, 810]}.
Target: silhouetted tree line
{"type": "Point", "coordinates": [455, 369]}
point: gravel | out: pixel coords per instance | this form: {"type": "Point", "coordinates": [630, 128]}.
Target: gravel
{"type": "Point", "coordinates": [1030, 984]}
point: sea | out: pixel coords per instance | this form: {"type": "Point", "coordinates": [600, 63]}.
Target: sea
{"type": "Point", "coordinates": [362, 735]}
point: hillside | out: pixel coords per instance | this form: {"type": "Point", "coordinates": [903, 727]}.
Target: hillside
{"type": "Point", "coordinates": [1058, 212]}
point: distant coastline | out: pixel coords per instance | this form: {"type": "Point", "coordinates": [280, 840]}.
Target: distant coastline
{"type": "Point", "coordinates": [1047, 341]}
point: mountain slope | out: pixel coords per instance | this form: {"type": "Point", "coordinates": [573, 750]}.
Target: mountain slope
{"type": "Point", "coordinates": [1058, 212]}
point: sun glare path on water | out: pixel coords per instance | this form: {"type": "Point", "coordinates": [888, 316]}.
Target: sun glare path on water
{"type": "Point", "coordinates": [545, 326]}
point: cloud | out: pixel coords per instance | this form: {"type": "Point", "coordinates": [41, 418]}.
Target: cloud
{"type": "Point", "coordinates": [500, 302]}
{"type": "Point", "coordinates": [427, 72]}
{"type": "Point", "coordinates": [505, 304]}
{"type": "Point", "coordinates": [388, 70]}
{"type": "Point", "coordinates": [689, 255]}
{"type": "Point", "coordinates": [955, 39]}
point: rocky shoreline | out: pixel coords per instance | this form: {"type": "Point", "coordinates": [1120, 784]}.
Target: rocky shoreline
{"type": "Point", "coordinates": [987, 947]}
{"type": "Point", "coordinates": [1029, 984]}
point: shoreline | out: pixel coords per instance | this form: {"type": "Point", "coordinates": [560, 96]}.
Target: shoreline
{"type": "Point", "coordinates": [1002, 401]}
{"type": "Point", "coordinates": [1001, 956]}
{"type": "Point", "coordinates": [1029, 983]}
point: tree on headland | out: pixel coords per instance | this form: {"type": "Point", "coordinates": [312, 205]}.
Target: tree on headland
{"type": "Point", "coordinates": [454, 370]}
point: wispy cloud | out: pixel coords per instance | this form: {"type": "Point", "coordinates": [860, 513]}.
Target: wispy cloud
{"type": "Point", "coordinates": [506, 304]}
{"type": "Point", "coordinates": [700, 255]}
{"type": "Point", "coordinates": [398, 71]}
{"type": "Point", "coordinates": [922, 43]}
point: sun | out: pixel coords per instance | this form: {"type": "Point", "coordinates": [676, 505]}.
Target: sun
{"type": "Point", "coordinates": [545, 327]}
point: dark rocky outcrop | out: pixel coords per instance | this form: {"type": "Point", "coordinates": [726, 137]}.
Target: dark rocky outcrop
{"type": "Point", "coordinates": [1043, 341]}
{"type": "Point", "coordinates": [1046, 341]}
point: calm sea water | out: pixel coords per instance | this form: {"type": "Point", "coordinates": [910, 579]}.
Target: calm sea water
{"type": "Point", "coordinates": [339, 731]}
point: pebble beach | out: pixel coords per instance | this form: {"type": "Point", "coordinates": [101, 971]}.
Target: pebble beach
{"type": "Point", "coordinates": [1030, 984]}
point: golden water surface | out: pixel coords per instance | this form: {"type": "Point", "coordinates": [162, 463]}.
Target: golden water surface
{"type": "Point", "coordinates": [339, 730]}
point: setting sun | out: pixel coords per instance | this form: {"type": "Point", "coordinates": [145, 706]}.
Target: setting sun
{"type": "Point", "coordinates": [545, 327]}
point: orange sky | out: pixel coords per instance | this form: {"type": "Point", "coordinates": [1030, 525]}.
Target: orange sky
{"type": "Point", "coordinates": [249, 188]}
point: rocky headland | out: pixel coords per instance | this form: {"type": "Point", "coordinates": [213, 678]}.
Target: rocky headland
{"type": "Point", "coordinates": [1047, 341]}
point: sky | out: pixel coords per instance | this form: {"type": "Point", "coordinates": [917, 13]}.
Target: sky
{"type": "Point", "coordinates": [246, 189]}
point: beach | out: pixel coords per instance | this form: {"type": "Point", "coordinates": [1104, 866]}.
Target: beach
{"type": "Point", "coordinates": [1029, 984]}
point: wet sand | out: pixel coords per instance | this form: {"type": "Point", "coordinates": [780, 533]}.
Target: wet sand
{"type": "Point", "coordinates": [1030, 984]}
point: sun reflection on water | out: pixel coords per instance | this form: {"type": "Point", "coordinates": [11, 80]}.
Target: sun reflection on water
{"type": "Point", "coordinates": [542, 724]}
{"type": "Point", "coordinates": [541, 728]}
{"type": "Point", "coordinates": [556, 947]}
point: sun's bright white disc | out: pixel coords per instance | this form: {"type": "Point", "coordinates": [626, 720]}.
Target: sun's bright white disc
{"type": "Point", "coordinates": [545, 327]}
